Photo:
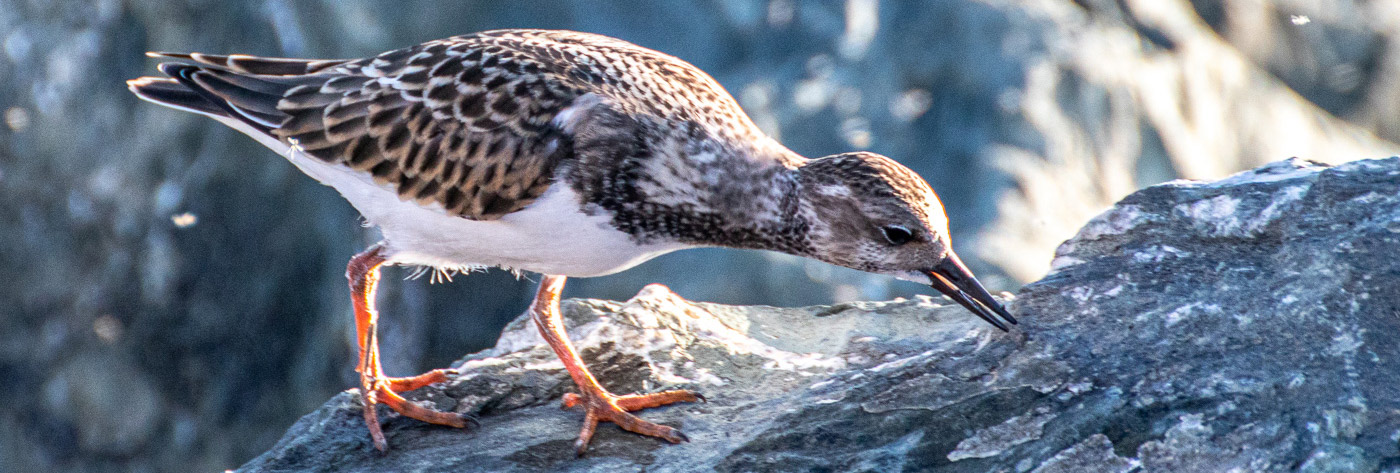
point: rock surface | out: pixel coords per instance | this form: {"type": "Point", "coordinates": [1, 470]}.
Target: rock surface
{"type": "Point", "coordinates": [1246, 324]}
{"type": "Point", "coordinates": [174, 293]}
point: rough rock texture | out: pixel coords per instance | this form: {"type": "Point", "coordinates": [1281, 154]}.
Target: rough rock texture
{"type": "Point", "coordinates": [773, 377]}
{"type": "Point", "coordinates": [1246, 324]}
{"type": "Point", "coordinates": [173, 293]}
{"type": "Point", "coordinates": [1111, 96]}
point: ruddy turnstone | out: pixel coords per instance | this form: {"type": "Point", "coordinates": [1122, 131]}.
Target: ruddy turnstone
{"type": "Point", "coordinates": [565, 154]}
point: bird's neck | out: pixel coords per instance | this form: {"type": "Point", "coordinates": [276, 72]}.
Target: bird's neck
{"type": "Point", "coordinates": [663, 182]}
{"type": "Point", "coordinates": [759, 214]}
{"type": "Point", "coordinates": [725, 196]}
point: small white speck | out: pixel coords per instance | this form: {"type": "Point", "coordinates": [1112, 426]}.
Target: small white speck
{"type": "Point", "coordinates": [1300, 20]}
{"type": "Point", "coordinates": [812, 95]}
{"type": "Point", "coordinates": [1297, 380]}
{"type": "Point", "coordinates": [107, 328]}
{"type": "Point", "coordinates": [911, 104]}
{"type": "Point", "coordinates": [780, 12]}
{"type": "Point", "coordinates": [184, 220]}
{"type": "Point", "coordinates": [856, 131]}
{"type": "Point", "coordinates": [17, 119]}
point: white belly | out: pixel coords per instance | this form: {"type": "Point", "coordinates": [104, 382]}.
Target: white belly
{"type": "Point", "coordinates": [550, 236]}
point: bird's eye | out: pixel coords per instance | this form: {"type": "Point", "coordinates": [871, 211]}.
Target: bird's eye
{"type": "Point", "coordinates": [897, 235]}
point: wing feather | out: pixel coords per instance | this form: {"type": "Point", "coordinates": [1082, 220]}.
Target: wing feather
{"type": "Point", "coordinates": [447, 122]}
{"type": "Point", "coordinates": [467, 122]}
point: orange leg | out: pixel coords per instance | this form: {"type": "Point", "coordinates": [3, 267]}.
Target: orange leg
{"type": "Point", "coordinates": [598, 403]}
{"type": "Point", "coordinates": [375, 388]}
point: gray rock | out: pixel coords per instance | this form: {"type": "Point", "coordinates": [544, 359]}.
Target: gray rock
{"type": "Point", "coordinates": [1112, 96]}
{"type": "Point", "coordinates": [763, 369]}
{"type": "Point", "coordinates": [1027, 117]}
{"type": "Point", "coordinates": [1245, 324]}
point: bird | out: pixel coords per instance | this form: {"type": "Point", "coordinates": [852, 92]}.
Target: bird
{"type": "Point", "coordinates": [566, 154]}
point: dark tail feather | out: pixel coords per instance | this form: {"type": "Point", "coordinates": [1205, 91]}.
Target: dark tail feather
{"type": "Point", "coordinates": [171, 93]}
{"type": "Point", "coordinates": [250, 98]}
{"type": "Point", "coordinates": [191, 77]}
{"type": "Point", "coordinates": [244, 64]}
{"type": "Point", "coordinates": [247, 88]}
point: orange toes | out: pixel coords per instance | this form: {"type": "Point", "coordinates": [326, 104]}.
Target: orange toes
{"type": "Point", "coordinates": [636, 402]}
{"type": "Point", "coordinates": [414, 382]}
{"type": "Point", "coordinates": [605, 407]}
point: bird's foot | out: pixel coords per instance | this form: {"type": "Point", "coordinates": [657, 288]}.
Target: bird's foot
{"type": "Point", "coordinates": [376, 389]}
{"type": "Point", "coordinates": [601, 405]}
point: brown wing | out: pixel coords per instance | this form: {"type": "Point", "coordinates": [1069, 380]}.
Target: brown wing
{"type": "Point", "coordinates": [464, 121]}
{"type": "Point", "coordinates": [459, 122]}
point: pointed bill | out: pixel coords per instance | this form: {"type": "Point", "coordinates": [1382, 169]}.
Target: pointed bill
{"type": "Point", "coordinates": [952, 278]}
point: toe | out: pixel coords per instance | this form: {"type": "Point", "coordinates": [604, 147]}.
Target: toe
{"type": "Point", "coordinates": [570, 400]}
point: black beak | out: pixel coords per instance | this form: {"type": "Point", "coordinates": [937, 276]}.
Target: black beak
{"type": "Point", "coordinates": [954, 280]}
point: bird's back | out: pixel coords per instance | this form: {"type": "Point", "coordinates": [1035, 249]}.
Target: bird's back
{"type": "Point", "coordinates": [476, 124]}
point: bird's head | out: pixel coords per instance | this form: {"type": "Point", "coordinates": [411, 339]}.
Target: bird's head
{"type": "Point", "coordinates": [870, 213]}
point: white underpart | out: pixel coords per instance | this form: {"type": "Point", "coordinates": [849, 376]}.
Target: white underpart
{"type": "Point", "coordinates": [550, 236]}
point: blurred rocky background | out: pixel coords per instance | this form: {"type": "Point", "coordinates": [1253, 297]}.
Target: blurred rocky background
{"type": "Point", "coordinates": [174, 297]}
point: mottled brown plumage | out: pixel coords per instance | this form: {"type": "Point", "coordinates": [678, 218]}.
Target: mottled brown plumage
{"type": "Point", "coordinates": [563, 153]}
{"type": "Point", "coordinates": [464, 122]}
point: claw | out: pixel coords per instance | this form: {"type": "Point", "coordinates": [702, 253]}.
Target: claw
{"type": "Point", "coordinates": [375, 388]}
{"type": "Point", "coordinates": [598, 403]}
{"type": "Point", "coordinates": [569, 401]}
